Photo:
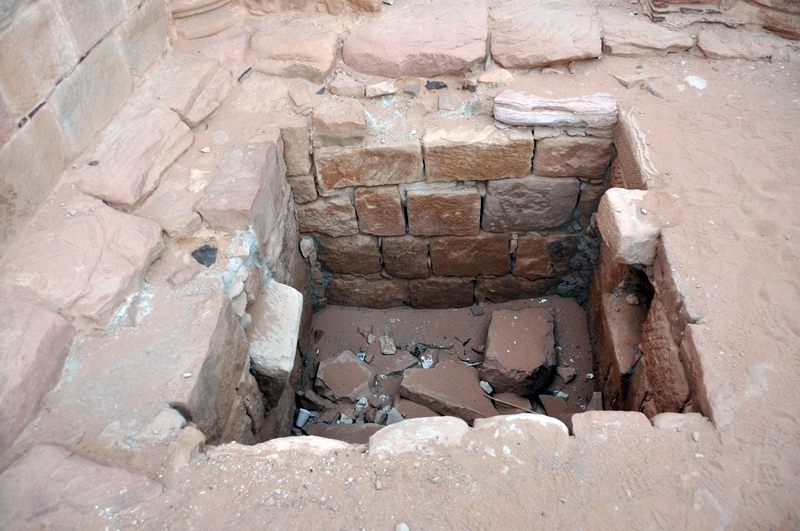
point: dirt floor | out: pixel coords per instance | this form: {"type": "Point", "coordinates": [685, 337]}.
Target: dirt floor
{"type": "Point", "coordinates": [728, 158]}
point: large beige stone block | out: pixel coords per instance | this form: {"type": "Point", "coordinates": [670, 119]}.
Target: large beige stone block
{"type": "Point", "coordinates": [31, 162]}
{"type": "Point", "coordinates": [368, 166]}
{"type": "Point", "coordinates": [631, 236]}
{"type": "Point", "coordinates": [572, 156]}
{"type": "Point", "coordinates": [384, 293]}
{"type": "Point", "coordinates": [88, 263]}
{"type": "Point", "coordinates": [37, 51]}
{"type": "Point", "coordinates": [133, 152]}
{"type": "Point", "coordinates": [531, 34]}
{"type": "Point", "coordinates": [144, 36]}
{"type": "Point", "coordinates": [339, 123]}
{"type": "Point", "coordinates": [33, 345]}
{"type": "Point", "coordinates": [294, 50]}
{"type": "Point", "coordinates": [529, 204]}
{"type": "Point", "coordinates": [405, 257]}
{"type": "Point", "coordinates": [523, 109]}
{"type": "Point", "coordinates": [380, 211]}
{"type": "Point", "coordinates": [444, 212]}
{"type": "Point", "coordinates": [477, 154]}
{"type": "Point", "coordinates": [356, 255]}
{"type": "Point", "coordinates": [87, 100]}
{"type": "Point", "coordinates": [421, 39]}
{"type": "Point", "coordinates": [467, 256]}
{"type": "Point", "coordinates": [88, 21]}
{"type": "Point", "coordinates": [334, 217]}
{"type": "Point", "coordinates": [635, 36]}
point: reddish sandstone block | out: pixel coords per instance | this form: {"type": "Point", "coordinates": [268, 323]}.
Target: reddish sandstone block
{"type": "Point", "coordinates": [304, 188]}
{"type": "Point", "coordinates": [509, 287]}
{"type": "Point", "coordinates": [334, 217]}
{"type": "Point", "coordinates": [405, 257]}
{"type": "Point", "coordinates": [572, 156]}
{"type": "Point", "coordinates": [665, 371]}
{"type": "Point", "coordinates": [448, 212]}
{"type": "Point", "coordinates": [296, 147]}
{"type": "Point", "coordinates": [355, 255]}
{"type": "Point", "coordinates": [380, 211]}
{"type": "Point", "coordinates": [440, 293]}
{"type": "Point", "coordinates": [486, 254]}
{"type": "Point", "coordinates": [384, 293]}
{"type": "Point", "coordinates": [532, 259]}
{"type": "Point", "coordinates": [339, 123]}
{"type": "Point", "coordinates": [368, 166]}
{"type": "Point", "coordinates": [529, 204]}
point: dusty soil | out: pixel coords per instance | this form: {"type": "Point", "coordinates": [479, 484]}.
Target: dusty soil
{"type": "Point", "coordinates": [727, 157]}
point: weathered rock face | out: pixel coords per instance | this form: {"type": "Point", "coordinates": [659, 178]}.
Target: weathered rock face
{"type": "Point", "coordinates": [334, 217]}
{"type": "Point", "coordinates": [380, 211]}
{"type": "Point", "coordinates": [520, 351]}
{"type": "Point", "coordinates": [421, 39]}
{"type": "Point", "coordinates": [440, 293]}
{"type": "Point", "coordinates": [450, 388]}
{"type": "Point", "coordinates": [485, 254]}
{"type": "Point", "coordinates": [356, 255]}
{"type": "Point", "coordinates": [529, 204]}
{"type": "Point", "coordinates": [171, 205]}
{"type": "Point", "coordinates": [447, 212]}
{"type": "Point", "coordinates": [368, 166]}
{"type": "Point", "coordinates": [630, 236]}
{"type": "Point", "coordinates": [296, 147]}
{"type": "Point", "coordinates": [304, 188]}
{"type": "Point", "coordinates": [544, 256]}
{"type": "Point", "coordinates": [665, 371]}
{"type": "Point", "coordinates": [132, 154]}
{"type": "Point", "coordinates": [50, 477]}
{"type": "Point", "coordinates": [511, 398]}
{"type": "Point", "coordinates": [509, 287]}
{"type": "Point", "coordinates": [207, 22]}
{"type": "Point", "coordinates": [33, 345]}
{"type": "Point", "coordinates": [385, 293]}
{"type": "Point", "coordinates": [339, 123]}
{"type": "Point", "coordinates": [728, 43]}
{"type": "Point", "coordinates": [484, 154]}
{"type": "Point", "coordinates": [519, 108]}
{"type": "Point", "coordinates": [88, 263]}
{"type": "Point", "coordinates": [568, 156]}
{"type": "Point", "coordinates": [412, 410]}
{"type": "Point", "coordinates": [531, 34]}
{"type": "Point", "coordinates": [343, 378]}
{"type": "Point", "coordinates": [635, 36]}
{"type": "Point", "coordinates": [405, 257]}
{"type": "Point", "coordinates": [294, 50]}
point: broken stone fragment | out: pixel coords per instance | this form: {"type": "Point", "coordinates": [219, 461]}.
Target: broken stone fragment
{"type": "Point", "coordinates": [384, 88]}
{"type": "Point", "coordinates": [520, 352]}
{"type": "Point", "coordinates": [567, 374]}
{"type": "Point", "coordinates": [343, 377]}
{"type": "Point", "coordinates": [630, 235]}
{"type": "Point", "coordinates": [387, 345]}
{"type": "Point", "coordinates": [294, 50]}
{"type": "Point", "coordinates": [344, 85]}
{"type": "Point", "coordinates": [496, 75]}
{"type": "Point", "coordinates": [339, 123]}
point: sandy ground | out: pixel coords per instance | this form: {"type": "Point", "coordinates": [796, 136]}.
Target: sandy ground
{"type": "Point", "coordinates": [728, 158]}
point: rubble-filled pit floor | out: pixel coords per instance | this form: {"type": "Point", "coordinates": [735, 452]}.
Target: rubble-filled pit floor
{"type": "Point", "coordinates": [460, 334]}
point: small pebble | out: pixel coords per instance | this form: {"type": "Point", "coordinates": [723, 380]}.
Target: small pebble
{"type": "Point", "coordinates": [206, 149]}
{"type": "Point", "coordinates": [696, 436]}
{"type": "Point", "coordinates": [435, 480]}
{"type": "Point", "coordinates": [402, 526]}
{"type": "Point", "coordinates": [619, 210]}
{"type": "Point", "coordinates": [187, 375]}
{"type": "Point", "coordinates": [378, 485]}
{"type": "Point", "coordinates": [589, 376]}
{"type": "Point", "coordinates": [644, 211]}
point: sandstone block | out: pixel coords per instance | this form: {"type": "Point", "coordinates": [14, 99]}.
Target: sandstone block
{"type": "Point", "coordinates": [531, 34]}
{"type": "Point", "coordinates": [713, 394]}
{"type": "Point", "coordinates": [343, 378]}
{"type": "Point", "coordinates": [511, 398]}
{"type": "Point", "coordinates": [509, 287]}
{"type": "Point", "coordinates": [294, 50]}
{"type": "Point", "coordinates": [523, 109]}
{"type": "Point", "coordinates": [672, 286]}
{"type": "Point", "coordinates": [784, 24]}
{"type": "Point", "coordinates": [405, 257]}
{"type": "Point", "coordinates": [144, 36]}
{"type": "Point", "coordinates": [344, 85]}
{"type": "Point", "coordinates": [50, 477]}
{"type": "Point", "coordinates": [239, 195]}
{"type": "Point", "coordinates": [132, 153]}
{"type": "Point", "coordinates": [334, 217]}
{"type": "Point", "coordinates": [87, 100]}
{"type": "Point", "coordinates": [440, 293]}
{"type": "Point", "coordinates": [88, 263]}
{"type": "Point", "coordinates": [421, 39]}
{"type": "Point", "coordinates": [623, 324]}
{"type": "Point", "coordinates": [273, 335]}
{"type": "Point", "coordinates": [665, 371]}
{"type": "Point", "coordinates": [520, 354]}
{"type": "Point", "coordinates": [210, 22]}
{"type": "Point", "coordinates": [296, 148]}
{"type": "Point", "coordinates": [37, 51]}
{"type": "Point", "coordinates": [728, 43]}
{"type": "Point", "coordinates": [104, 16]}
{"type": "Point", "coordinates": [485, 154]}
{"type": "Point", "coordinates": [368, 166]}
{"type": "Point", "coordinates": [627, 232]}
{"type": "Point", "coordinates": [380, 211]}
{"type": "Point", "coordinates": [589, 200]}
{"type": "Point", "coordinates": [572, 156]}
{"type": "Point", "coordinates": [171, 205]}
{"type": "Point", "coordinates": [544, 256]}
{"type": "Point", "coordinates": [191, 86]}
{"type": "Point", "coordinates": [304, 188]}
{"type": "Point", "coordinates": [422, 435]}
{"type": "Point", "coordinates": [444, 212]}
{"type": "Point", "coordinates": [384, 293]}
{"type": "Point", "coordinates": [412, 410]}
{"type": "Point", "coordinates": [33, 345]}
{"type": "Point", "coordinates": [339, 123]}
{"type": "Point", "coordinates": [467, 256]}
{"type": "Point", "coordinates": [450, 388]}
{"type": "Point", "coordinates": [635, 36]}
{"type": "Point", "coordinates": [349, 433]}
{"type": "Point", "coordinates": [598, 426]}
{"type": "Point", "coordinates": [529, 204]}
{"type": "Point", "coordinates": [32, 162]}
{"type": "Point", "coordinates": [354, 255]}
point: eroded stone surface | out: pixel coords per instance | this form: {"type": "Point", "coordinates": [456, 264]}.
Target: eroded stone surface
{"type": "Point", "coordinates": [368, 166]}
{"type": "Point", "coordinates": [405, 257]}
{"type": "Point", "coordinates": [380, 211]}
{"type": "Point", "coordinates": [630, 235]}
{"type": "Point", "coordinates": [334, 217]}
{"type": "Point", "coordinates": [343, 378]}
{"type": "Point", "coordinates": [339, 123]}
{"type": "Point", "coordinates": [568, 156]}
{"type": "Point", "coordinates": [635, 36]}
{"type": "Point", "coordinates": [529, 204]}
{"type": "Point", "coordinates": [521, 108]}
{"type": "Point", "coordinates": [357, 254]}
{"type": "Point", "coordinates": [485, 254]}
{"type": "Point", "coordinates": [447, 212]}
{"type": "Point", "coordinates": [294, 50]}
{"type": "Point", "coordinates": [385, 293]}
{"type": "Point", "coordinates": [296, 147]}
{"type": "Point", "coordinates": [440, 293]}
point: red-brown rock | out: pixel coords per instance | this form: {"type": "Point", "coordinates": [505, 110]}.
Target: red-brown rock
{"type": "Point", "coordinates": [380, 211]}
{"type": "Point", "coordinates": [572, 156]}
{"type": "Point", "coordinates": [384, 293]}
{"type": "Point", "coordinates": [368, 166]}
{"type": "Point", "coordinates": [412, 410]}
{"type": "Point", "coordinates": [439, 292]}
{"type": "Point", "coordinates": [294, 50]}
{"type": "Point", "coordinates": [296, 147]}
{"type": "Point", "coordinates": [520, 354]}
{"type": "Point", "coordinates": [447, 212]}
{"type": "Point", "coordinates": [509, 287]}
{"type": "Point", "coordinates": [339, 123]}
{"type": "Point", "coordinates": [467, 256]}
{"type": "Point", "coordinates": [358, 254]}
{"type": "Point", "coordinates": [405, 257]}
{"type": "Point", "coordinates": [529, 204]}
{"type": "Point", "coordinates": [334, 217]}
{"type": "Point", "coordinates": [343, 378]}
{"type": "Point", "coordinates": [511, 398]}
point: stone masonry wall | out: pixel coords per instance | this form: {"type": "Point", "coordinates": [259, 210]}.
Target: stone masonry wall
{"type": "Point", "coordinates": [469, 214]}
{"type": "Point", "coordinates": [66, 68]}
